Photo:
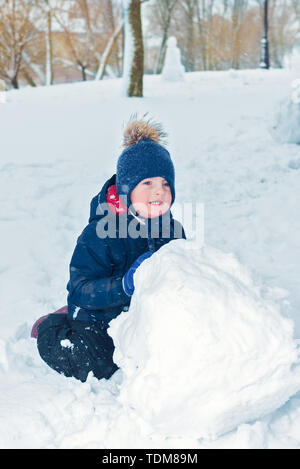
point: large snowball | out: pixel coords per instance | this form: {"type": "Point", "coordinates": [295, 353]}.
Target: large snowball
{"type": "Point", "coordinates": [200, 349]}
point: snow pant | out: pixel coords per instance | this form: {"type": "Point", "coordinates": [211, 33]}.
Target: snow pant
{"type": "Point", "coordinates": [74, 348]}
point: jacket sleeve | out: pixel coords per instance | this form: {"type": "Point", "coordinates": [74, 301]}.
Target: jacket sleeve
{"type": "Point", "coordinates": [92, 284]}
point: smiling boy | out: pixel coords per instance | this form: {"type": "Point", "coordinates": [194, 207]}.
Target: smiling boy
{"type": "Point", "coordinates": [104, 262]}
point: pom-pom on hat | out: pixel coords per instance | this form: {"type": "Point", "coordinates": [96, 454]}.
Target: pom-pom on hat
{"type": "Point", "coordinates": [144, 157]}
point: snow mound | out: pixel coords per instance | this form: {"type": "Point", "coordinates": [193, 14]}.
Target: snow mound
{"type": "Point", "coordinates": [286, 128]}
{"type": "Point", "coordinates": [200, 349]}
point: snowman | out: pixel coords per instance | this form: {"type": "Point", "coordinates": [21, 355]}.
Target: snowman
{"type": "Point", "coordinates": [173, 69]}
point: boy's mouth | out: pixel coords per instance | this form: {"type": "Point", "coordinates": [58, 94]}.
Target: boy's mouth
{"type": "Point", "coordinates": [156, 202]}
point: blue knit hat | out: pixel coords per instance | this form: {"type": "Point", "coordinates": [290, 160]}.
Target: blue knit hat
{"type": "Point", "coordinates": [143, 157]}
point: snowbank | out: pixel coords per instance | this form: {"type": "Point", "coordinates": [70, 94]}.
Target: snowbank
{"type": "Point", "coordinates": [201, 351]}
{"type": "Point", "coordinates": [286, 127]}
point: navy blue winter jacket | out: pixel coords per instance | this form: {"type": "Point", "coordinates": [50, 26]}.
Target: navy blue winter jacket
{"type": "Point", "coordinates": [98, 264]}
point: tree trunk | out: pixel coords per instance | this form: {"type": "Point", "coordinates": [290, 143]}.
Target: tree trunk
{"type": "Point", "coordinates": [133, 69]}
{"type": "Point", "coordinates": [90, 36]}
{"type": "Point", "coordinates": [166, 27]}
{"type": "Point", "coordinates": [162, 50]}
{"type": "Point", "coordinates": [190, 42]}
{"type": "Point", "coordinates": [83, 72]}
{"type": "Point", "coordinates": [14, 82]}
{"type": "Point", "coordinates": [203, 34]}
{"type": "Point", "coordinates": [107, 52]}
{"type": "Point", "coordinates": [36, 69]}
{"type": "Point", "coordinates": [49, 47]}
{"type": "Point", "coordinates": [237, 15]}
{"type": "Point", "coordinates": [189, 55]}
{"type": "Point", "coordinates": [110, 20]}
{"type": "Point", "coordinates": [29, 78]}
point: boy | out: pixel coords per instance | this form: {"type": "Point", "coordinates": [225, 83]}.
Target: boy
{"type": "Point", "coordinates": [130, 219]}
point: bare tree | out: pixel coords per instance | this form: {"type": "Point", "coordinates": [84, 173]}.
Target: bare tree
{"type": "Point", "coordinates": [114, 19]}
{"type": "Point", "coordinates": [89, 36]}
{"type": "Point", "coordinates": [77, 37]}
{"type": "Point", "coordinates": [43, 40]}
{"type": "Point", "coordinates": [47, 17]}
{"type": "Point", "coordinates": [108, 50]}
{"type": "Point", "coordinates": [283, 29]}
{"type": "Point", "coordinates": [204, 12]}
{"type": "Point", "coordinates": [16, 33]}
{"type": "Point", "coordinates": [133, 67]}
{"type": "Point", "coordinates": [162, 14]}
{"type": "Point", "coordinates": [189, 9]}
{"type": "Point", "coordinates": [238, 12]}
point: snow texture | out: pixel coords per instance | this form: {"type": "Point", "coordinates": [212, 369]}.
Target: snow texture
{"type": "Point", "coordinates": [200, 349]}
{"type": "Point", "coordinates": [58, 146]}
{"type": "Point", "coordinates": [287, 124]}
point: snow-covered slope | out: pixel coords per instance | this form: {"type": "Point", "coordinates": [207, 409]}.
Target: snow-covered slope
{"type": "Point", "coordinates": [58, 146]}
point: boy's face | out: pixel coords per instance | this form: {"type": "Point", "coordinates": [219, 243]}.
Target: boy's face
{"type": "Point", "coordinates": [152, 197]}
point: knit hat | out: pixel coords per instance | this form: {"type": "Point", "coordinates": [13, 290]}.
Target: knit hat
{"type": "Point", "coordinates": [143, 157]}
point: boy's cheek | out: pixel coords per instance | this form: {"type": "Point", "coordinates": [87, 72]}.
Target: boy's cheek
{"type": "Point", "coordinates": [141, 208]}
{"type": "Point", "coordinates": [139, 199]}
{"type": "Point", "coordinates": [168, 200]}
{"type": "Point", "coordinates": [157, 211]}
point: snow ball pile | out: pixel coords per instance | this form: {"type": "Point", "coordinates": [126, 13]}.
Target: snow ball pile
{"type": "Point", "coordinates": [200, 349]}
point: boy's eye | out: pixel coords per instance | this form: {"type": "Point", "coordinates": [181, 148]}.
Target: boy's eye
{"type": "Point", "coordinates": [147, 183]}
{"type": "Point", "coordinates": [166, 184]}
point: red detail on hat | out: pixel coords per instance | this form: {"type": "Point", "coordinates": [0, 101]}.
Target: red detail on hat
{"type": "Point", "coordinates": [114, 203]}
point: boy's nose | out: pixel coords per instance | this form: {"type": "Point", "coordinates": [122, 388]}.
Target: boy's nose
{"type": "Point", "coordinates": [158, 189]}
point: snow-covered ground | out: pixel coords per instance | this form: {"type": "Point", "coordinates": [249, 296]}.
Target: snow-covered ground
{"type": "Point", "coordinates": [58, 146]}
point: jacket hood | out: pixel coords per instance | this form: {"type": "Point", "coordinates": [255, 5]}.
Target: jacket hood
{"type": "Point", "coordinates": [96, 210]}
